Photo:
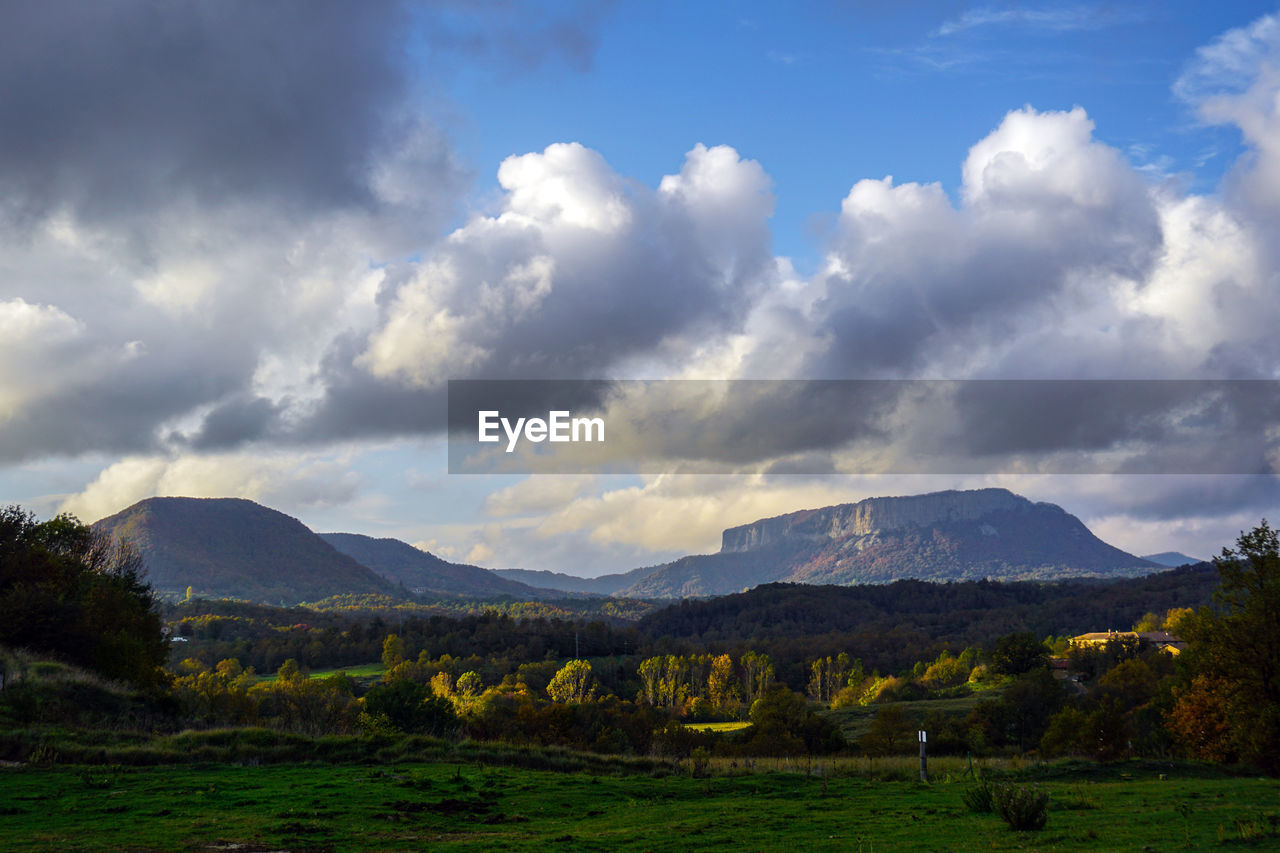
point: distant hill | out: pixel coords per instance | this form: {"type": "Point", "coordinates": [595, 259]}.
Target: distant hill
{"type": "Point", "coordinates": [1172, 559]}
{"type": "Point", "coordinates": [946, 536]}
{"type": "Point", "coordinates": [890, 626]}
{"type": "Point", "coordinates": [605, 585]}
{"type": "Point", "coordinates": [233, 548]}
{"type": "Point", "coordinates": [421, 571]}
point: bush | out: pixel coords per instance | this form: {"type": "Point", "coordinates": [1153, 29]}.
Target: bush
{"type": "Point", "coordinates": [782, 723]}
{"type": "Point", "coordinates": [411, 708]}
{"type": "Point", "coordinates": [1023, 808]}
{"type": "Point", "coordinates": [977, 797]}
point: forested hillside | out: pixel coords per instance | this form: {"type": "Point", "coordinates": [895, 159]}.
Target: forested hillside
{"type": "Point", "coordinates": [890, 626]}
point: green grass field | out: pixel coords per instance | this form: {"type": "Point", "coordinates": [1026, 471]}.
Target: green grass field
{"type": "Point", "coordinates": [855, 721]}
{"type": "Point", "coordinates": [362, 671]}
{"type": "Point", "coordinates": [717, 727]}
{"type": "Point", "coordinates": [476, 807]}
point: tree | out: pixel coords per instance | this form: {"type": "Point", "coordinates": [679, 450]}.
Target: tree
{"type": "Point", "coordinates": [946, 671]}
{"type": "Point", "coordinates": [1021, 715]}
{"type": "Point", "coordinates": [1235, 646]}
{"type": "Point", "coordinates": [673, 684]}
{"type": "Point", "coordinates": [1150, 621]}
{"type": "Point", "coordinates": [572, 683]}
{"type": "Point", "coordinates": [890, 732]}
{"type": "Point", "coordinates": [1201, 719]}
{"type": "Point", "coordinates": [722, 689]}
{"type": "Point", "coordinates": [72, 593]}
{"type": "Point", "coordinates": [469, 684]}
{"type": "Point", "coordinates": [291, 671]}
{"type": "Point", "coordinates": [1019, 653]}
{"type": "Point", "coordinates": [1174, 618]}
{"type": "Point", "coordinates": [442, 684]}
{"type": "Point", "coordinates": [650, 674]}
{"type": "Point", "coordinates": [827, 675]}
{"type": "Point", "coordinates": [757, 675]}
{"type": "Point", "coordinates": [392, 651]}
{"type": "Point", "coordinates": [782, 723]}
{"type": "Point", "coordinates": [411, 707]}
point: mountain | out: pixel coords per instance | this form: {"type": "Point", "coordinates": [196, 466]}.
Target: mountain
{"type": "Point", "coordinates": [233, 548]}
{"type": "Point", "coordinates": [1172, 559]}
{"type": "Point", "coordinates": [985, 533]}
{"type": "Point", "coordinates": [236, 548]}
{"type": "Point", "coordinates": [605, 585]}
{"type": "Point", "coordinates": [943, 536]}
{"type": "Point", "coordinates": [422, 572]}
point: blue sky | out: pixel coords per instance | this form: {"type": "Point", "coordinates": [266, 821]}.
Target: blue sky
{"type": "Point", "coordinates": [824, 94]}
{"type": "Point", "coordinates": [240, 253]}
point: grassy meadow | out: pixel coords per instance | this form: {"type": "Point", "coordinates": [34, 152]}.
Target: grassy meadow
{"type": "Point", "coordinates": [476, 806]}
{"type": "Point", "coordinates": [855, 721]}
{"type": "Point", "coordinates": [360, 672]}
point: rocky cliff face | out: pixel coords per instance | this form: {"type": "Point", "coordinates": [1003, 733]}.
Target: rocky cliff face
{"type": "Point", "coordinates": [871, 517]}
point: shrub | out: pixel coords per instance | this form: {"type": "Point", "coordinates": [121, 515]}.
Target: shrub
{"type": "Point", "coordinates": [977, 797]}
{"type": "Point", "coordinates": [1023, 808]}
{"type": "Point", "coordinates": [411, 708]}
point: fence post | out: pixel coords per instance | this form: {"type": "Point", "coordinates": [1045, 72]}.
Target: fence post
{"type": "Point", "coordinates": [924, 768]}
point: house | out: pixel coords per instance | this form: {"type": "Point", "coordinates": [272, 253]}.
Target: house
{"type": "Point", "coordinates": [1160, 640]}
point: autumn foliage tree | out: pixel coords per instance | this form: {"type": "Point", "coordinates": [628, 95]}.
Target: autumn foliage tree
{"type": "Point", "coordinates": [572, 683]}
{"type": "Point", "coordinates": [1231, 707]}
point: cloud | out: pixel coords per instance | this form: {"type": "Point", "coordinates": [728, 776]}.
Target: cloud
{"type": "Point", "coordinates": [911, 277]}
{"type": "Point", "coordinates": [1057, 19]}
{"type": "Point", "coordinates": [32, 340]}
{"type": "Point", "coordinates": [537, 494]}
{"type": "Point", "coordinates": [115, 107]}
{"type": "Point", "coordinates": [1236, 81]}
{"type": "Point", "coordinates": [580, 270]}
{"type": "Point", "coordinates": [1057, 261]}
{"type": "Point", "coordinates": [1230, 62]}
{"type": "Point", "coordinates": [213, 197]}
{"type": "Point", "coordinates": [288, 479]}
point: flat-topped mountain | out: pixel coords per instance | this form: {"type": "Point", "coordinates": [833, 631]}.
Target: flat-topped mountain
{"type": "Point", "coordinates": [871, 517]}
{"type": "Point", "coordinates": [234, 548]}
{"type": "Point", "coordinates": [953, 535]}
{"type": "Point", "coordinates": [989, 533]}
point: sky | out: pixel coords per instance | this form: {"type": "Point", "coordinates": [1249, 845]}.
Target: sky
{"type": "Point", "coordinates": [244, 247]}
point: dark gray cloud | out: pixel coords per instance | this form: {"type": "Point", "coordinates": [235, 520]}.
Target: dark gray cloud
{"type": "Point", "coordinates": [1174, 498]}
{"type": "Point", "coordinates": [116, 410]}
{"type": "Point", "coordinates": [117, 106]}
{"type": "Point", "coordinates": [236, 421]}
{"type": "Point", "coordinates": [517, 35]}
{"type": "Point", "coordinates": [887, 426]}
{"type": "Point", "coordinates": [192, 195]}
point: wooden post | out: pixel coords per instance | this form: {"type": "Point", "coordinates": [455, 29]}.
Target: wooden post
{"type": "Point", "coordinates": [924, 768]}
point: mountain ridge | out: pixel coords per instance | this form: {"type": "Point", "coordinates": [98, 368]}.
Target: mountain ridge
{"type": "Point", "coordinates": [1172, 559]}
{"type": "Point", "coordinates": [422, 572]}
{"type": "Point", "coordinates": [948, 535]}
{"type": "Point", "coordinates": [225, 547]}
